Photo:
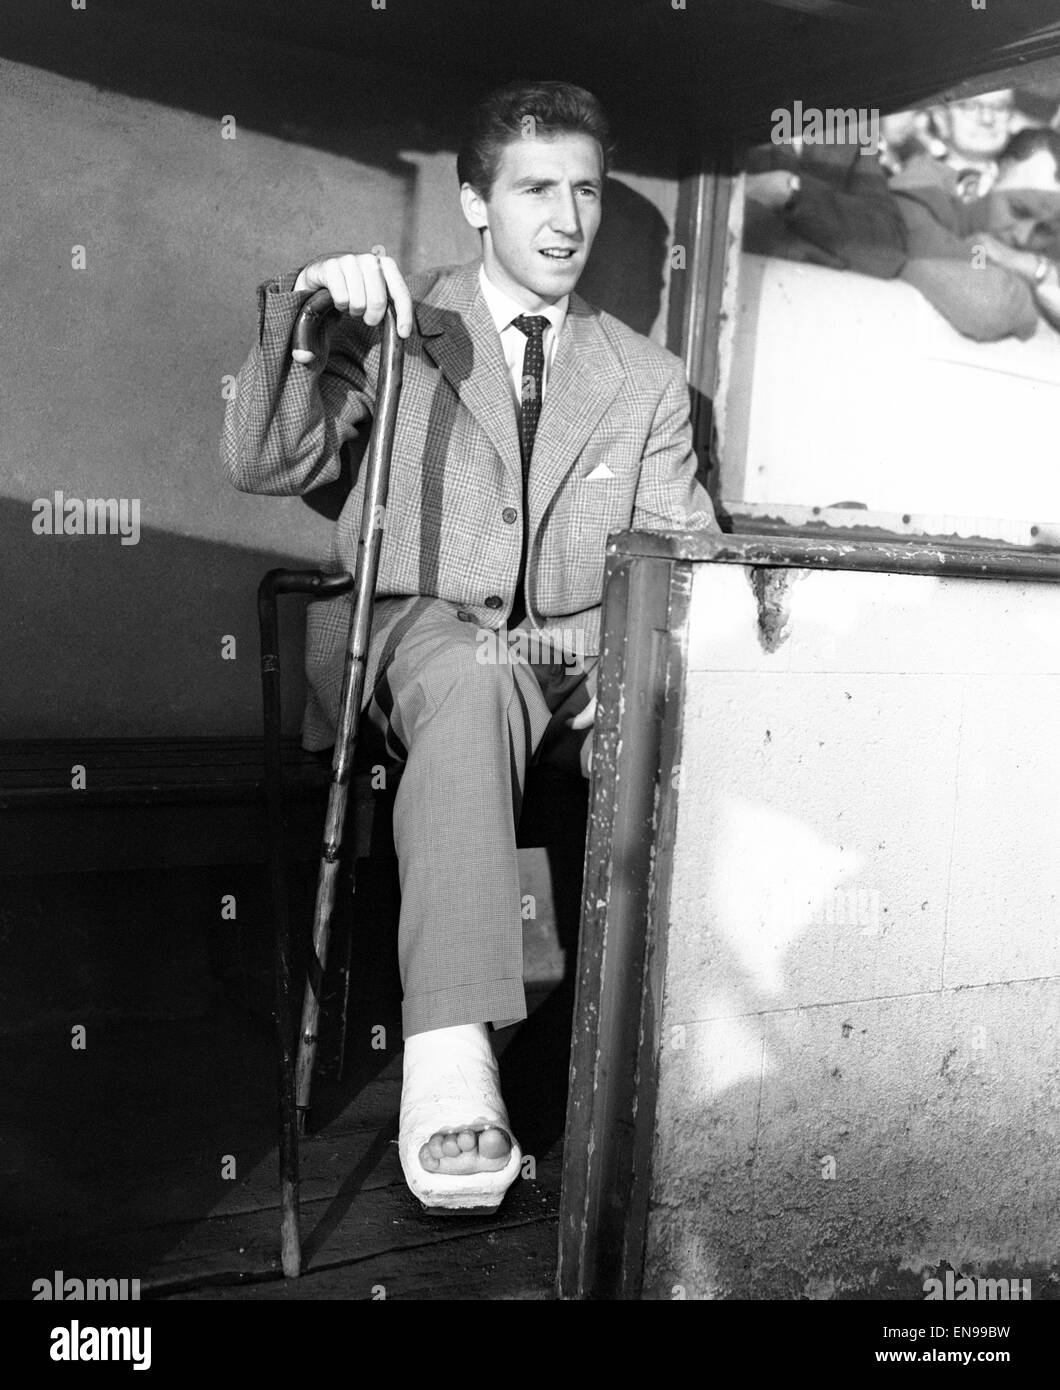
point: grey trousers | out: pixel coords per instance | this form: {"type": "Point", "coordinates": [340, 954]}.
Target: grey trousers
{"type": "Point", "coordinates": [466, 716]}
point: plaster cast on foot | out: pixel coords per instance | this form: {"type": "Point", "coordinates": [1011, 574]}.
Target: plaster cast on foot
{"type": "Point", "coordinates": [451, 1082]}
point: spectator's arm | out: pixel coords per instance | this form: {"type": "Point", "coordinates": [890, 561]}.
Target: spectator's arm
{"type": "Point", "coordinates": [986, 304]}
{"type": "Point", "coordinates": [982, 301]}
{"type": "Point", "coordinates": [1037, 272]}
{"type": "Point", "coordinates": [863, 229]}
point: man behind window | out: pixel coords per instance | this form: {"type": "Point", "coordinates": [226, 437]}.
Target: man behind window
{"type": "Point", "coordinates": [988, 266]}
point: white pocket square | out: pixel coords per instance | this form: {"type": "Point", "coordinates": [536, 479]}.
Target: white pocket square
{"type": "Point", "coordinates": [600, 471]}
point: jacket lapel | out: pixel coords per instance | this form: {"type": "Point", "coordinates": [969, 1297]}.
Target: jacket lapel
{"type": "Point", "coordinates": [461, 338]}
{"type": "Point", "coordinates": [584, 379]}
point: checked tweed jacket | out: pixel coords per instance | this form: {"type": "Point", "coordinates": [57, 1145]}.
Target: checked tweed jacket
{"type": "Point", "coordinates": [613, 451]}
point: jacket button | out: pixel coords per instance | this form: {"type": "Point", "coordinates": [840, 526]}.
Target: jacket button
{"type": "Point", "coordinates": [465, 616]}
{"type": "Point", "coordinates": [494, 601]}
{"type": "Point", "coordinates": [509, 515]}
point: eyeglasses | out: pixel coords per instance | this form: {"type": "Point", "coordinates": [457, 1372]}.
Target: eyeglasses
{"type": "Point", "coordinates": [983, 110]}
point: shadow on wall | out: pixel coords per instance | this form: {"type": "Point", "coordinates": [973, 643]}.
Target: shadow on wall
{"type": "Point", "coordinates": [110, 640]}
{"type": "Point", "coordinates": [854, 1150]}
{"type": "Point", "coordinates": [122, 396]}
{"type": "Point", "coordinates": [626, 273]}
{"type": "Point", "coordinates": [859, 1074]}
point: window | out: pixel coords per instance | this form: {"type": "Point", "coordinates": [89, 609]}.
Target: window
{"type": "Point", "coordinates": [890, 344]}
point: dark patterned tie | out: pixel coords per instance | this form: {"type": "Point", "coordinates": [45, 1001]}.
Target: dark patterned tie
{"type": "Point", "coordinates": [533, 325]}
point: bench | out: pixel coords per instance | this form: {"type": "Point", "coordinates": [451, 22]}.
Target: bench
{"type": "Point", "coordinates": [132, 806]}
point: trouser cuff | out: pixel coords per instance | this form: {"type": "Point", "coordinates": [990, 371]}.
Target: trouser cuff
{"type": "Point", "coordinates": [500, 1002]}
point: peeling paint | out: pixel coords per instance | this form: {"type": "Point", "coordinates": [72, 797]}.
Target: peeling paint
{"type": "Point", "coordinates": [772, 591]}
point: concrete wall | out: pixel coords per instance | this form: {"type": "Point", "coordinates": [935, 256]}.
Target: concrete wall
{"type": "Point", "coordinates": [841, 388]}
{"type": "Point", "coordinates": [859, 1073]}
{"type": "Point", "coordinates": [113, 373]}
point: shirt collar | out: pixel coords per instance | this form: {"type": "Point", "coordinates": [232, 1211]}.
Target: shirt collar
{"type": "Point", "coordinates": [503, 308]}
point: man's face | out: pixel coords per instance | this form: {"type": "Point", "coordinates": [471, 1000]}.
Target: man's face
{"type": "Point", "coordinates": [976, 129]}
{"type": "Point", "coordinates": [1025, 204]}
{"type": "Point", "coordinates": [541, 216]}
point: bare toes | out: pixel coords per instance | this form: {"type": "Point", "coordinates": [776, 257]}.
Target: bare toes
{"type": "Point", "coordinates": [494, 1143]}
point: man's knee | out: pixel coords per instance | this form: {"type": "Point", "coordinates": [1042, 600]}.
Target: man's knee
{"type": "Point", "coordinates": [475, 672]}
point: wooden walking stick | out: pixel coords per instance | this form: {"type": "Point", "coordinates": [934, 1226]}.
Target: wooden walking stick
{"type": "Point", "coordinates": [294, 1097]}
{"type": "Point", "coordinates": [319, 585]}
{"type": "Point", "coordinates": [377, 482]}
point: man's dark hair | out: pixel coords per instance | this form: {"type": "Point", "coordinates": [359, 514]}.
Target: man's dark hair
{"type": "Point", "coordinates": [1026, 143]}
{"type": "Point", "coordinates": [524, 109]}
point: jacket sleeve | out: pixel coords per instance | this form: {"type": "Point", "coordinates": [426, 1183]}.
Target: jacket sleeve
{"type": "Point", "coordinates": [286, 424]}
{"type": "Point", "coordinates": [861, 227]}
{"type": "Point", "coordinates": [668, 497]}
{"type": "Point", "coordinates": [844, 209]}
{"type": "Point", "coordinates": [982, 302]}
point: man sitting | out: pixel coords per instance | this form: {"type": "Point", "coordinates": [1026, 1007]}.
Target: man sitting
{"type": "Point", "coordinates": [531, 426]}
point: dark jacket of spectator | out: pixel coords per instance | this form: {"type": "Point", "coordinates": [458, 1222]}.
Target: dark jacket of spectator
{"type": "Point", "coordinates": [982, 301]}
{"type": "Point", "coordinates": [846, 215]}
{"type": "Point", "coordinates": [843, 215]}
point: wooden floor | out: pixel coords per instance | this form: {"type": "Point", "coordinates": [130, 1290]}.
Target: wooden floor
{"type": "Point", "coordinates": [116, 1160]}
{"type": "Point", "coordinates": [124, 1179]}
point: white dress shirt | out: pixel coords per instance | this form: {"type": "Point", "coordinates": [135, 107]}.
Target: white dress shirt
{"type": "Point", "coordinates": [513, 340]}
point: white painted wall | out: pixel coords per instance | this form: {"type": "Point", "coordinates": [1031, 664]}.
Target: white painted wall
{"type": "Point", "coordinates": [863, 955]}
{"type": "Point", "coordinates": [843, 388]}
